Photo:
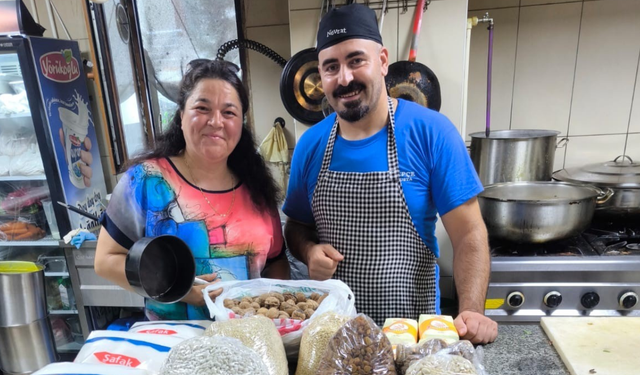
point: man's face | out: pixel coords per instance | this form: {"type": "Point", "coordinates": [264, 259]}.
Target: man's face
{"type": "Point", "coordinates": [352, 75]}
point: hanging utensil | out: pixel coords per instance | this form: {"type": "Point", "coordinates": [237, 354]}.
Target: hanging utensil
{"type": "Point", "coordinates": [412, 80]}
{"type": "Point", "coordinates": [489, 70]}
{"type": "Point", "coordinates": [79, 211]}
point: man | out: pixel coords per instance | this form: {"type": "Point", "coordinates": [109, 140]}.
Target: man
{"type": "Point", "coordinates": [366, 185]}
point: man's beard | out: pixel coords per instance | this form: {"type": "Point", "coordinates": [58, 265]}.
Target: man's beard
{"type": "Point", "coordinates": [354, 110]}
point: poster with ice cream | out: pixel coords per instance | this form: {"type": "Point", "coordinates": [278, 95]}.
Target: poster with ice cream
{"type": "Point", "coordinates": [66, 101]}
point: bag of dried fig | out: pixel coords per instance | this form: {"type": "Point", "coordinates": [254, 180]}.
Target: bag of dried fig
{"type": "Point", "coordinates": [358, 347]}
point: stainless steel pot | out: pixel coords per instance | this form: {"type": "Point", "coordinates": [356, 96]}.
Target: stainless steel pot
{"type": "Point", "coordinates": [23, 297]}
{"type": "Point", "coordinates": [538, 212]}
{"type": "Point", "coordinates": [514, 155]}
{"type": "Point", "coordinates": [622, 175]}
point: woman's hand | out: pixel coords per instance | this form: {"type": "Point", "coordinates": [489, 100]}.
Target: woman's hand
{"type": "Point", "coordinates": [195, 296]}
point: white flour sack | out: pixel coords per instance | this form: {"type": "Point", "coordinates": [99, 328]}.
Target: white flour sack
{"type": "Point", "coordinates": [137, 350]}
{"type": "Point", "coordinates": [184, 329]}
{"type": "Point", "coordinates": [65, 368]}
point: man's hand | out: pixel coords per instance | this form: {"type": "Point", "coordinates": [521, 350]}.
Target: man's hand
{"type": "Point", "coordinates": [322, 261]}
{"type": "Point", "coordinates": [476, 327]}
{"type": "Point", "coordinates": [195, 296]}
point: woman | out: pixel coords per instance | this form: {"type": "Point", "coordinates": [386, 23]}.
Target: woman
{"type": "Point", "coordinates": [205, 183]}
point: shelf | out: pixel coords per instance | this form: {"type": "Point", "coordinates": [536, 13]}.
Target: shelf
{"type": "Point", "coordinates": [56, 274]}
{"type": "Point", "coordinates": [63, 312]}
{"type": "Point", "coordinates": [70, 347]}
{"type": "Point", "coordinates": [23, 178]}
{"type": "Point", "coordinates": [48, 241]}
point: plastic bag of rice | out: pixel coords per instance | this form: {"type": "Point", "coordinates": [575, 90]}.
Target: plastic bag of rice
{"type": "Point", "coordinates": [257, 333]}
{"type": "Point", "coordinates": [315, 341]}
{"type": "Point", "coordinates": [213, 356]}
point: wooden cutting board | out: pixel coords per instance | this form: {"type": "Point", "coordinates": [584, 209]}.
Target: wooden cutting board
{"type": "Point", "coordinates": [601, 346]}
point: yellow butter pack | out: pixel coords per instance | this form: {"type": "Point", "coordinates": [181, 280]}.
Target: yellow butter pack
{"type": "Point", "coordinates": [437, 327]}
{"type": "Point", "coordinates": [401, 331]}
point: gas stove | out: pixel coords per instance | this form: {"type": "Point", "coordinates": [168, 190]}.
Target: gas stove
{"type": "Point", "coordinates": [594, 274]}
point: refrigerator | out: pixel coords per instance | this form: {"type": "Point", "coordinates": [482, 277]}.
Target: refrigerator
{"type": "Point", "coordinates": [48, 153]}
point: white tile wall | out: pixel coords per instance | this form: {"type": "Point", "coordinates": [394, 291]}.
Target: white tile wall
{"type": "Point", "coordinates": [585, 150]}
{"type": "Point", "coordinates": [266, 12]}
{"type": "Point", "coordinates": [610, 35]}
{"type": "Point", "coordinates": [492, 4]}
{"type": "Point", "coordinates": [546, 55]}
{"type": "Point", "coordinates": [633, 147]}
{"type": "Point", "coordinates": [544, 2]}
{"type": "Point", "coordinates": [504, 56]}
{"type": "Point", "coordinates": [306, 4]}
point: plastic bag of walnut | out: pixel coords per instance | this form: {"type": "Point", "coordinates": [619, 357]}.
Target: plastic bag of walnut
{"type": "Point", "coordinates": [358, 347]}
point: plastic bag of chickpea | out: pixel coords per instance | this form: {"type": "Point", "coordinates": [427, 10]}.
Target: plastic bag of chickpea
{"type": "Point", "coordinates": [315, 341]}
{"type": "Point", "coordinates": [291, 304]}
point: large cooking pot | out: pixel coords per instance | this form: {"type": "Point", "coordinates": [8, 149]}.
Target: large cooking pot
{"type": "Point", "coordinates": [622, 175]}
{"type": "Point", "coordinates": [514, 155]}
{"type": "Point", "coordinates": [538, 212]}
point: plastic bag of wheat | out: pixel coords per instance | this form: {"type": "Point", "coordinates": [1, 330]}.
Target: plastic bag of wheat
{"type": "Point", "coordinates": [315, 341]}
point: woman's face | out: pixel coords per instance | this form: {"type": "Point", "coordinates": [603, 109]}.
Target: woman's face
{"type": "Point", "coordinates": [212, 120]}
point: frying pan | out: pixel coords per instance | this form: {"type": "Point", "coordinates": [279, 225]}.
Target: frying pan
{"type": "Point", "coordinates": [161, 268]}
{"type": "Point", "coordinates": [412, 80]}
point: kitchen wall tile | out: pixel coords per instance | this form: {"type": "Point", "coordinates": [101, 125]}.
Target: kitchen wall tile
{"type": "Point", "coordinates": [390, 33]}
{"type": "Point", "coordinates": [265, 81]}
{"type": "Point", "coordinates": [441, 48]}
{"type": "Point", "coordinates": [610, 34]}
{"type": "Point", "coordinates": [593, 149]}
{"type": "Point", "coordinates": [545, 2]}
{"type": "Point", "coordinates": [545, 62]}
{"type": "Point", "coordinates": [504, 54]}
{"type": "Point", "coordinates": [558, 159]}
{"type": "Point", "coordinates": [492, 4]}
{"type": "Point", "coordinates": [634, 124]}
{"type": "Point", "coordinates": [266, 12]}
{"type": "Point", "coordinates": [633, 147]}
{"type": "Point", "coordinates": [303, 25]}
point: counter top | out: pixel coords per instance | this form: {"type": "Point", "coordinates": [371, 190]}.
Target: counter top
{"type": "Point", "coordinates": [522, 349]}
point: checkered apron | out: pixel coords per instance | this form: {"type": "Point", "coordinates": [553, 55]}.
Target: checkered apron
{"type": "Point", "coordinates": [365, 217]}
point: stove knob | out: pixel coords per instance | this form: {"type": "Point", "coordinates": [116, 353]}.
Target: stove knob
{"type": "Point", "coordinates": [628, 300]}
{"type": "Point", "coordinates": [590, 300]}
{"type": "Point", "coordinates": [515, 299]}
{"type": "Point", "coordinates": [553, 299]}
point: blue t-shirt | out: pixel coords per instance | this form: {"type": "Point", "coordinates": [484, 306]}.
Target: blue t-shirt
{"type": "Point", "coordinates": [435, 169]}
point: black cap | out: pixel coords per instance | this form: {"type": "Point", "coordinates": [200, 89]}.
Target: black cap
{"type": "Point", "coordinates": [354, 21]}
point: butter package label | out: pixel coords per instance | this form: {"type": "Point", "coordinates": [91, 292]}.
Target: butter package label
{"type": "Point", "coordinates": [437, 327]}
{"type": "Point", "coordinates": [401, 331]}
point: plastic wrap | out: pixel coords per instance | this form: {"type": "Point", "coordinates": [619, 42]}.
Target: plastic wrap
{"type": "Point", "coordinates": [84, 369]}
{"type": "Point", "coordinates": [28, 163]}
{"type": "Point", "coordinates": [146, 352]}
{"type": "Point", "coordinates": [213, 356]}
{"type": "Point", "coordinates": [358, 347]}
{"type": "Point", "coordinates": [315, 341]}
{"type": "Point", "coordinates": [407, 355]}
{"type": "Point", "coordinates": [259, 334]}
{"type": "Point", "coordinates": [442, 364]}
{"type": "Point", "coordinates": [339, 299]}
{"type": "Point", "coordinates": [5, 163]}
{"type": "Point", "coordinates": [174, 328]}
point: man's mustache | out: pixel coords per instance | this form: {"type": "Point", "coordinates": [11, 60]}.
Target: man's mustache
{"type": "Point", "coordinates": [352, 87]}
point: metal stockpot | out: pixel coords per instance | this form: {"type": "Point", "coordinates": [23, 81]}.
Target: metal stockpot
{"type": "Point", "coordinates": [538, 212]}
{"type": "Point", "coordinates": [514, 155]}
{"type": "Point", "coordinates": [622, 175]}
{"type": "Point", "coordinates": [23, 296]}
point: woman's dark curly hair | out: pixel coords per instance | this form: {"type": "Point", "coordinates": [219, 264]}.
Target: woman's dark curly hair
{"type": "Point", "coordinates": [244, 161]}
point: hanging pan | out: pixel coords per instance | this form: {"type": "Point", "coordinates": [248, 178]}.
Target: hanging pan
{"type": "Point", "coordinates": [412, 80]}
{"type": "Point", "coordinates": [301, 88]}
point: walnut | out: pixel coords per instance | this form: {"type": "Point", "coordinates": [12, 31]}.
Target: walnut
{"type": "Point", "coordinates": [311, 304]}
{"type": "Point", "coordinates": [262, 298]}
{"type": "Point", "coordinates": [288, 296]}
{"type": "Point", "coordinates": [308, 313]}
{"type": "Point", "coordinates": [302, 305]}
{"type": "Point", "coordinates": [255, 305]}
{"type": "Point", "coordinates": [273, 313]}
{"type": "Point", "coordinates": [283, 315]}
{"type": "Point", "coordinates": [299, 314]}
{"type": "Point", "coordinates": [237, 310]}
{"type": "Point", "coordinates": [244, 305]}
{"type": "Point", "coordinates": [314, 296]}
{"type": "Point", "coordinates": [322, 297]}
{"type": "Point", "coordinates": [247, 299]}
{"type": "Point", "coordinates": [272, 302]}
{"type": "Point", "coordinates": [229, 303]}
{"type": "Point", "coordinates": [279, 296]}
{"type": "Point", "coordinates": [291, 301]}
{"type": "Point", "coordinates": [300, 297]}
{"type": "Point", "coordinates": [289, 310]}
{"type": "Point", "coordinates": [263, 311]}
{"type": "Point", "coordinates": [286, 305]}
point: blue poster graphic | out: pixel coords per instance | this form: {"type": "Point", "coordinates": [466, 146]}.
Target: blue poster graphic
{"type": "Point", "coordinates": [65, 97]}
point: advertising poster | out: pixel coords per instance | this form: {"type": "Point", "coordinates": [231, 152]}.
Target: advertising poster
{"type": "Point", "coordinates": [65, 97]}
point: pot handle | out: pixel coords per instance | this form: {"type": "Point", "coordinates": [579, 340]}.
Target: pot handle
{"type": "Point", "coordinates": [604, 195]}
{"type": "Point", "coordinates": [562, 142]}
{"type": "Point", "coordinates": [623, 156]}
